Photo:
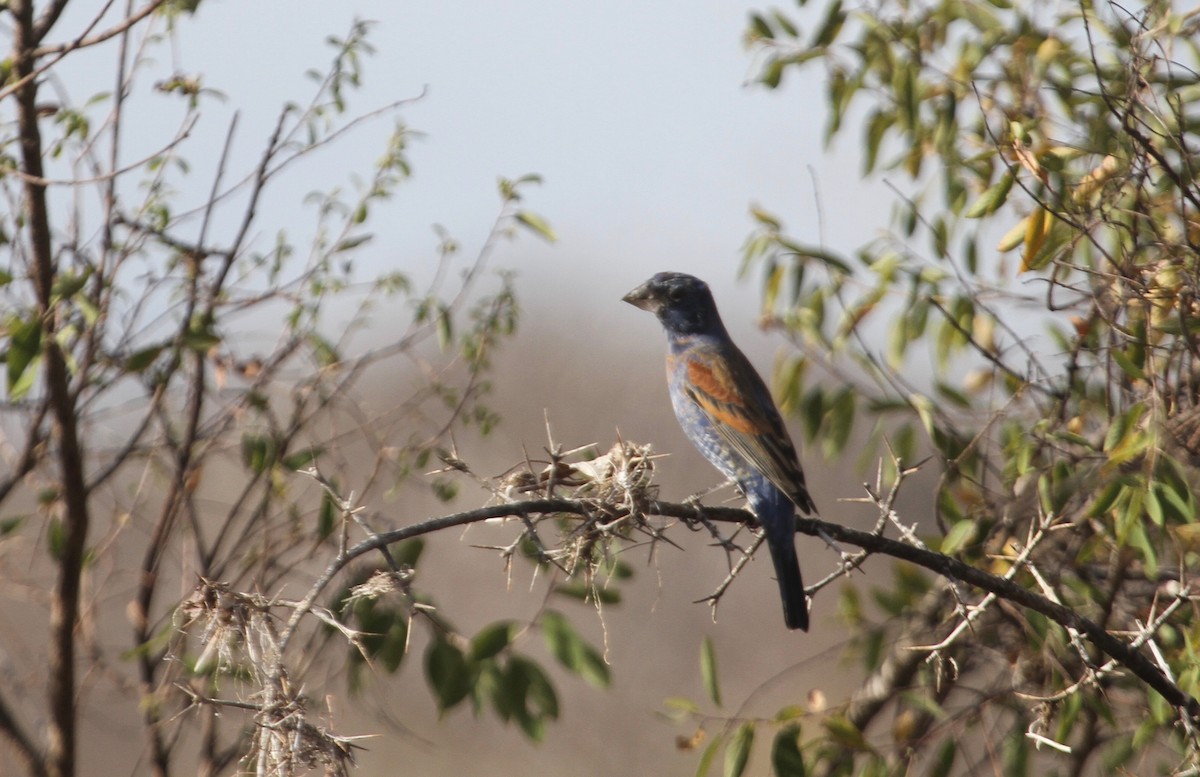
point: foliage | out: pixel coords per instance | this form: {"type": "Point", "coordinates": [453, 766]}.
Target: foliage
{"type": "Point", "coordinates": [181, 403]}
{"type": "Point", "coordinates": [1044, 256]}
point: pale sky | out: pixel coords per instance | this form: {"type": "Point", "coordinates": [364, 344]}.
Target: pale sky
{"type": "Point", "coordinates": [637, 115]}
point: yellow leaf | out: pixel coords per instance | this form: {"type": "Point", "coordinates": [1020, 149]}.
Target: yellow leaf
{"type": "Point", "coordinates": [1013, 237]}
{"type": "Point", "coordinates": [1036, 229]}
{"type": "Point", "coordinates": [1091, 182]}
{"type": "Point", "coordinates": [1187, 535]}
{"type": "Point", "coordinates": [1047, 50]}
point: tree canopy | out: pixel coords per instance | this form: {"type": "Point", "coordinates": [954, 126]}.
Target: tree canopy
{"type": "Point", "coordinates": [1043, 256]}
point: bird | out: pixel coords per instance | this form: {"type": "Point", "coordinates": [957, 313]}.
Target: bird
{"type": "Point", "coordinates": [727, 412]}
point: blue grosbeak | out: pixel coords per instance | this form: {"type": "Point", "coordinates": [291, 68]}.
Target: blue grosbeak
{"type": "Point", "coordinates": [727, 412]}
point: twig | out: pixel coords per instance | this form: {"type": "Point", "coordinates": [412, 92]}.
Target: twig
{"type": "Point", "coordinates": [715, 597]}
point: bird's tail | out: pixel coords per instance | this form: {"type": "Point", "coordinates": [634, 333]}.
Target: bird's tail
{"type": "Point", "coordinates": [791, 585]}
{"type": "Point", "coordinates": [777, 515]}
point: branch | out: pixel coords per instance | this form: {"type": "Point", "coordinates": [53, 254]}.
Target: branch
{"type": "Point", "coordinates": [85, 40]}
{"type": "Point", "coordinates": [26, 75]}
{"type": "Point", "coordinates": [49, 17]}
{"type": "Point", "coordinates": [945, 566]}
{"type": "Point", "coordinates": [26, 751]}
{"type": "Point", "coordinates": [992, 356]}
{"type": "Point", "coordinates": [953, 569]}
{"type": "Point", "coordinates": [107, 177]}
{"type": "Point", "coordinates": [29, 456]}
{"type": "Point", "coordinates": [64, 603]}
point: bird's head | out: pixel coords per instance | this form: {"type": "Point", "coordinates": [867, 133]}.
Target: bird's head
{"type": "Point", "coordinates": [682, 303]}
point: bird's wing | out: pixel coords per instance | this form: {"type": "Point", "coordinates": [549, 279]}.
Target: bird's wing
{"type": "Point", "coordinates": [736, 402]}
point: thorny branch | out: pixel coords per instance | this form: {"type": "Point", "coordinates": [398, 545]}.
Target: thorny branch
{"type": "Point", "coordinates": [640, 509]}
{"type": "Point", "coordinates": [611, 497]}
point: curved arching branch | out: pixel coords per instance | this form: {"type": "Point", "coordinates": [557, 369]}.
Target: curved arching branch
{"type": "Point", "coordinates": [943, 565]}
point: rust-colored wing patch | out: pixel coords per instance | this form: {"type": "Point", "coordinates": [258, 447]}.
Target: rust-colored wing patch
{"type": "Point", "coordinates": [716, 393]}
{"type": "Point", "coordinates": [716, 384]}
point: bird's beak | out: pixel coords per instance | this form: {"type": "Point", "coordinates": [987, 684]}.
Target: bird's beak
{"type": "Point", "coordinates": [642, 297]}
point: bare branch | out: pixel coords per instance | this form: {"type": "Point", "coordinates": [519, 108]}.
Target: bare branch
{"type": "Point", "coordinates": [32, 759]}
{"type": "Point", "coordinates": [86, 39]}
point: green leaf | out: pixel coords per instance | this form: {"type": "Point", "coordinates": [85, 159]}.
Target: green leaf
{"type": "Point", "coordinates": [944, 761]}
{"type": "Point", "coordinates": [993, 198]}
{"type": "Point", "coordinates": [1127, 364]}
{"type": "Point", "coordinates": [708, 671]}
{"type": "Point", "coordinates": [828, 258]}
{"type": "Point", "coordinates": [200, 336]}
{"type": "Point", "coordinates": [394, 646]}
{"type": "Point", "coordinates": [529, 696]}
{"type": "Point", "coordinates": [139, 360]}
{"type": "Point", "coordinates": [924, 407]}
{"type": "Point", "coordinates": [839, 422]}
{"type": "Point", "coordinates": [67, 285]}
{"type": "Point", "coordinates": [584, 593]}
{"type": "Point", "coordinates": [845, 733]}
{"type": "Point", "coordinates": [24, 345]}
{"type": "Point", "coordinates": [408, 552]}
{"type": "Point", "coordinates": [572, 651]}
{"type": "Point", "coordinates": [326, 516]}
{"type": "Point", "coordinates": [785, 24]}
{"type": "Point", "coordinates": [324, 351]}
{"type": "Point", "coordinates": [491, 640]}
{"type": "Point", "coordinates": [536, 224]}
{"type": "Point", "coordinates": [1122, 432]}
{"type": "Point", "coordinates": [10, 525]}
{"type": "Point", "coordinates": [1138, 538]}
{"type": "Point", "coordinates": [830, 26]}
{"type": "Point", "coordinates": [953, 395]}
{"type": "Point", "coordinates": [737, 752]}
{"type": "Point", "coordinates": [447, 674]}
{"type": "Point", "coordinates": [708, 756]}
{"type": "Point", "coordinates": [1179, 499]}
{"type": "Point", "coordinates": [258, 452]}
{"type": "Point", "coordinates": [1154, 507]}
{"type": "Point", "coordinates": [789, 713]}
{"type": "Point", "coordinates": [25, 382]}
{"type": "Point", "coordinates": [786, 758]}
{"type": "Point", "coordinates": [789, 383]}
{"type": "Point", "coordinates": [1105, 498]}
{"type": "Point", "coordinates": [541, 690]}
{"type": "Point", "coordinates": [812, 410]}
{"type": "Point", "coordinates": [56, 538]}
{"type": "Point", "coordinates": [445, 328]}
{"type": "Point", "coordinates": [680, 706]}
{"type": "Point", "coordinates": [959, 536]}
{"type": "Point", "coordinates": [771, 77]}
{"type": "Point", "coordinates": [760, 28]}
{"type": "Point", "coordinates": [979, 16]}
{"type": "Point", "coordinates": [877, 127]}
{"type": "Point", "coordinates": [941, 237]}
{"type": "Point", "coordinates": [351, 243]}
{"type": "Point", "coordinates": [301, 459]}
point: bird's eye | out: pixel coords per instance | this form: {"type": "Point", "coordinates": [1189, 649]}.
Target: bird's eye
{"type": "Point", "coordinates": [674, 293]}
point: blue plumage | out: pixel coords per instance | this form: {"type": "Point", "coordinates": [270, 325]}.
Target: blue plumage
{"type": "Point", "coordinates": [727, 412]}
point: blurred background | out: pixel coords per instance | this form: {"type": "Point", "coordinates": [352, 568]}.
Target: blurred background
{"type": "Point", "coordinates": [211, 393]}
{"type": "Point", "coordinates": [653, 148]}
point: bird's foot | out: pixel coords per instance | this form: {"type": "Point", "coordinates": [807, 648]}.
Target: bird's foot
{"type": "Point", "coordinates": [694, 499]}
